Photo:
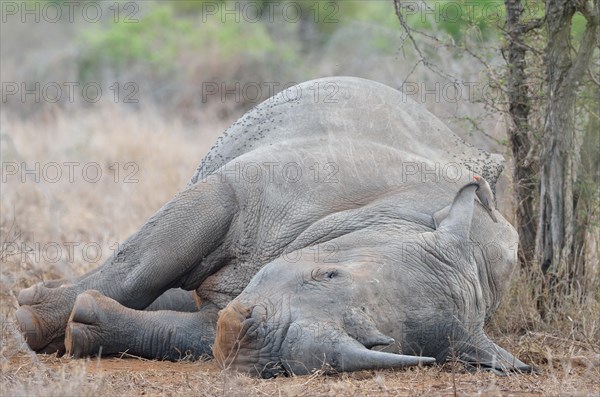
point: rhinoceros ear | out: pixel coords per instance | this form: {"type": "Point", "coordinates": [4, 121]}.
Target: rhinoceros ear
{"type": "Point", "coordinates": [457, 222]}
{"type": "Point", "coordinates": [440, 215]}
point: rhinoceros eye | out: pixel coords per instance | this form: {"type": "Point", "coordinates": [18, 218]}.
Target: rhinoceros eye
{"type": "Point", "coordinates": [320, 274]}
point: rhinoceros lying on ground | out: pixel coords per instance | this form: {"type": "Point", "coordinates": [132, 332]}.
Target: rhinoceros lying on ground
{"type": "Point", "coordinates": [334, 225]}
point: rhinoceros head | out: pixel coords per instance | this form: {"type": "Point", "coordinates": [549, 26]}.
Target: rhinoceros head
{"type": "Point", "coordinates": [400, 285]}
{"type": "Point", "coordinates": [303, 322]}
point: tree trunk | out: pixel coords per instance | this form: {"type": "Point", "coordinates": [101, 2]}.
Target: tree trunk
{"type": "Point", "coordinates": [561, 143]}
{"type": "Point", "coordinates": [555, 240]}
{"type": "Point", "coordinates": [521, 139]}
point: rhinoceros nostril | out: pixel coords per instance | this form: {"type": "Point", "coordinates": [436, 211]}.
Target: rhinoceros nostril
{"type": "Point", "coordinates": [232, 324]}
{"type": "Point", "coordinates": [259, 312]}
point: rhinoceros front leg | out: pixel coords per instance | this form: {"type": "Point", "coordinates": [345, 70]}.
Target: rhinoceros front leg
{"type": "Point", "coordinates": [172, 249]}
{"type": "Point", "coordinates": [100, 325]}
{"type": "Point", "coordinates": [480, 352]}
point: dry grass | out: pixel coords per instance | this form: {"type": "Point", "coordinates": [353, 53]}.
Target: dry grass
{"type": "Point", "coordinates": [24, 375]}
{"type": "Point", "coordinates": [566, 347]}
{"type": "Point", "coordinates": [34, 214]}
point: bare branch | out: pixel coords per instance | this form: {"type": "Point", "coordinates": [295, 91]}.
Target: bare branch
{"type": "Point", "coordinates": [422, 58]}
{"type": "Point", "coordinates": [529, 26]}
{"type": "Point", "coordinates": [585, 8]}
{"type": "Point", "coordinates": [586, 47]}
{"type": "Point", "coordinates": [594, 79]}
{"type": "Point", "coordinates": [477, 128]}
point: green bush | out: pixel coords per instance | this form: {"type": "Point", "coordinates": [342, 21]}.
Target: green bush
{"type": "Point", "coordinates": [158, 40]}
{"type": "Point", "coordinates": [155, 40]}
{"type": "Point", "coordinates": [459, 17]}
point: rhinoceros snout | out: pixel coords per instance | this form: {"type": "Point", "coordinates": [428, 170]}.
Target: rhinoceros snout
{"type": "Point", "coordinates": [233, 321]}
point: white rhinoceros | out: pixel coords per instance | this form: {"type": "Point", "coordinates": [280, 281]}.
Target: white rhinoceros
{"type": "Point", "coordinates": [335, 225]}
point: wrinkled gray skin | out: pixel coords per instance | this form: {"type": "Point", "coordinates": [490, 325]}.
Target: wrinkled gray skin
{"type": "Point", "coordinates": [334, 189]}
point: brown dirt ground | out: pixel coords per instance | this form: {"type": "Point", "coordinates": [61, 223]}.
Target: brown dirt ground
{"type": "Point", "coordinates": [29, 374]}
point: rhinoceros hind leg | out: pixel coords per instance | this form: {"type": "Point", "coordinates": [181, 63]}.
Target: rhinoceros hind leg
{"type": "Point", "coordinates": [42, 312]}
{"type": "Point", "coordinates": [176, 299]}
{"type": "Point", "coordinates": [171, 246]}
{"type": "Point", "coordinates": [100, 325]}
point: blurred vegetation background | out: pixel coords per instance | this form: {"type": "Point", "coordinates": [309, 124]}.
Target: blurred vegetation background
{"type": "Point", "coordinates": [169, 49]}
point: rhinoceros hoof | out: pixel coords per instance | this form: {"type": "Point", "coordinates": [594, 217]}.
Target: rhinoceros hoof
{"type": "Point", "coordinates": [83, 336]}
{"type": "Point", "coordinates": [42, 316]}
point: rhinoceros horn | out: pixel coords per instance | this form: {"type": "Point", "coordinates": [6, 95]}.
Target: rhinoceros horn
{"type": "Point", "coordinates": [352, 356]}
{"type": "Point", "coordinates": [342, 353]}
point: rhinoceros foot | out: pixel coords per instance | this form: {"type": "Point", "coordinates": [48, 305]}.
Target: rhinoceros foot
{"type": "Point", "coordinates": [88, 324]}
{"type": "Point", "coordinates": [43, 315]}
